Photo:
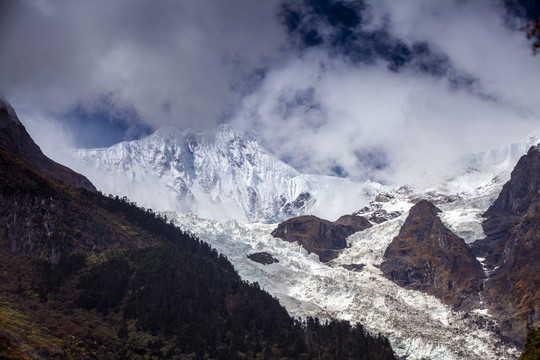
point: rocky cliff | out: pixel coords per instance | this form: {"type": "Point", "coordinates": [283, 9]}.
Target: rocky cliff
{"type": "Point", "coordinates": [319, 236]}
{"type": "Point", "coordinates": [512, 250]}
{"type": "Point", "coordinates": [429, 257]}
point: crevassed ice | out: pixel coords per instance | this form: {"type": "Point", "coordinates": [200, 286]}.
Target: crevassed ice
{"type": "Point", "coordinates": [418, 325]}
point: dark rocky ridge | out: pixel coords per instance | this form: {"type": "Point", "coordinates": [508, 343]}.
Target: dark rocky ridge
{"type": "Point", "coordinates": [319, 236]}
{"type": "Point", "coordinates": [515, 199]}
{"type": "Point", "coordinates": [512, 250]}
{"type": "Point", "coordinates": [17, 142]}
{"type": "Point", "coordinates": [427, 256]}
{"type": "Point", "coordinates": [353, 223]}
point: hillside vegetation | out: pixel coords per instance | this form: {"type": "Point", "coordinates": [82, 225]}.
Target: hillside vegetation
{"type": "Point", "coordinates": [85, 276]}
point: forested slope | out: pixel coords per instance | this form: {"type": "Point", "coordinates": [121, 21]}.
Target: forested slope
{"type": "Point", "coordinates": [83, 275]}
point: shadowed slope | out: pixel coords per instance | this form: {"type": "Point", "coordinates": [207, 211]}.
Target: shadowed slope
{"type": "Point", "coordinates": [15, 140]}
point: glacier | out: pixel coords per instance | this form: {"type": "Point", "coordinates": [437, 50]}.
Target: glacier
{"type": "Point", "coordinates": [224, 187]}
{"type": "Point", "coordinates": [418, 326]}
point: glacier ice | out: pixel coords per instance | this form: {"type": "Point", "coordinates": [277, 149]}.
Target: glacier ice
{"type": "Point", "coordinates": [418, 325]}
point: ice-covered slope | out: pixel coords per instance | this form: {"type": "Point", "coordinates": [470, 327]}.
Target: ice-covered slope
{"type": "Point", "coordinates": [227, 174]}
{"type": "Point", "coordinates": [475, 184]}
{"type": "Point", "coordinates": [419, 326]}
{"type": "Point", "coordinates": [224, 174]}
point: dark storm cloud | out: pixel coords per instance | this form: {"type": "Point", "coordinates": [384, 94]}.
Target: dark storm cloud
{"type": "Point", "coordinates": [339, 28]}
{"type": "Point", "coordinates": [337, 25]}
{"type": "Point", "coordinates": [526, 9]}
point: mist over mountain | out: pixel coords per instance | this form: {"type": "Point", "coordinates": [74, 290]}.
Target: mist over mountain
{"type": "Point", "coordinates": [370, 90]}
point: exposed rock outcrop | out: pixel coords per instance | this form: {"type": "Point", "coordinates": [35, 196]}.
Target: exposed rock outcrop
{"type": "Point", "coordinates": [515, 199]}
{"type": "Point", "coordinates": [262, 258]}
{"type": "Point", "coordinates": [17, 142]}
{"type": "Point", "coordinates": [353, 223]}
{"type": "Point", "coordinates": [375, 212]}
{"type": "Point", "coordinates": [354, 267]}
{"type": "Point", "coordinates": [512, 250]}
{"type": "Point", "coordinates": [319, 236]}
{"type": "Point", "coordinates": [427, 256]}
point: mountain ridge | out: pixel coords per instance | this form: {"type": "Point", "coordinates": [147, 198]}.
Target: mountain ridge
{"type": "Point", "coordinates": [429, 257]}
{"type": "Point", "coordinates": [512, 249]}
{"type": "Point", "coordinates": [221, 174]}
{"type": "Point", "coordinates": [17, 142]}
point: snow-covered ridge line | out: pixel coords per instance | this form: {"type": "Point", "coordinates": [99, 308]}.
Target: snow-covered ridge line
{"type": "Point", "coordinates": [223, 174]}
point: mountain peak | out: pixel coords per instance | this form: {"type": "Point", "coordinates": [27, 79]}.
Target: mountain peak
{"type": "Point", "coordinates": [429, 257]}
{"type": "Point", "coordinates": [522, 189]}
{"type": "Point", "coordinates": [5, 107]}
{"type": "Point", "coordinates": [425, 207]}
{"type": "Point", "coordinates": [225, 173]}
{"type": "Point", "coordinates": [534, 148]}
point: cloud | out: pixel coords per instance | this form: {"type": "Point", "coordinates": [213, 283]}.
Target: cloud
{"type": "Point", "coordinates": [172, 62]}
{"type": "Point", "coordinates": [378, 89]}
{"type": "Point", "coordinates": [328, 110]}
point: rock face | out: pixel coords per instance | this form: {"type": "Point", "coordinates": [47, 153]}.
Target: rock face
{"type": "Point", "coordinates": [507, 211]}
{"type": "Point", "coordinates": [353, 223]}
{"type": "Point", "coordinates": [263, 258]}
{"type": "Point", "coordinates": [427, 256]}
{"type": "Point", "coordinates": [512, 250]}
{"type": "Point", "coordinates": [319, 236]}
{"type": "Point", "coordinates": [17, 142]}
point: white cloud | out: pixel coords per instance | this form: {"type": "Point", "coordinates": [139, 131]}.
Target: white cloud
{"type": "Point", "coordinates": [191, 64]}
{"type": "Point", "coordinates": [369, 116]}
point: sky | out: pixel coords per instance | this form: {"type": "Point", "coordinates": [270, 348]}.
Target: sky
{"type": "Point", "coordinates": [385, 90]}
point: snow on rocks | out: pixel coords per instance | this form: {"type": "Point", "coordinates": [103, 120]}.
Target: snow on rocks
{"type": "Point", "coordinates": [418, 325]}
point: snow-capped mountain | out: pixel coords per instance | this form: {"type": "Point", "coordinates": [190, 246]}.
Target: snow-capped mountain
{"type": "Point", "coordinates": [224, 174]}
{"type": "Point", "coordinates": [418, 325]}
{"type": "Point", "coordinates": [228, 174]}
